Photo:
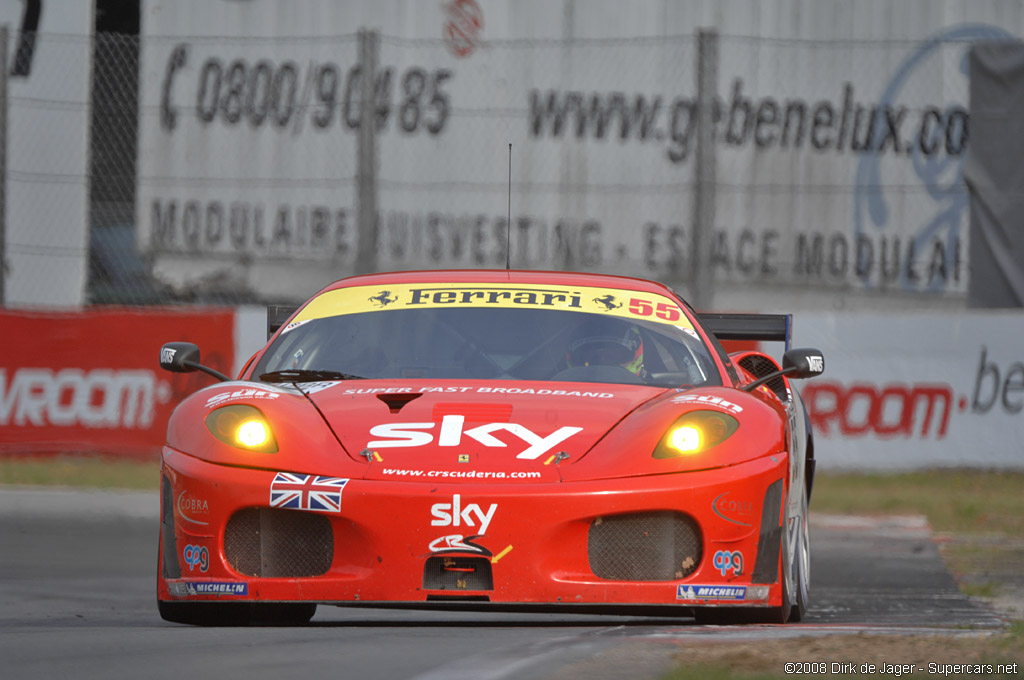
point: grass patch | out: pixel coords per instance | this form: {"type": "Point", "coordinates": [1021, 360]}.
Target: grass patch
{"type": "Point", "coordinates": [705, 671]}
{"type": "Point", "coordinates": [995, 655]}
{"type": "Point", "coordinates": [1013, 641]}
{"type": "Point", "coordinates": [987, 589]}
{"type": "Point", "coordinates": [929, 657]}
{"type": "Point", "coordinates": [81, 471]}
{"type": "Point", "coordinates": [955, 501]}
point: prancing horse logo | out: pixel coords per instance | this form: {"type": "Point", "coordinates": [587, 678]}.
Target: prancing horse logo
{"type": "Point", "coordinates": [383, 298]}
{"type": "Point", "coordinates": [608, 301]}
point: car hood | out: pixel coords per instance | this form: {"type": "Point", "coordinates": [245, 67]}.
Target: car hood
{"type": "Point", "coordinates": [475, 430]}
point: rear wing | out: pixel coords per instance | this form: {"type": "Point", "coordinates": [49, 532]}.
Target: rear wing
{"type": "Point", "coordinates": [276, 316]}
{"type": "Point", "coordinates": [764, 327]}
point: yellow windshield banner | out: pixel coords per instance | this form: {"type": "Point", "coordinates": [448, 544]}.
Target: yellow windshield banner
{"type": "Point", "coordinates": [629, 304]}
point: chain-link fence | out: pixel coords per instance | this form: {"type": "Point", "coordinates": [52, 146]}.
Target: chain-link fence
{"type": "Point", "coordinates": [231, 170]}
{"type": "Point", "coordinates": [43, 148]}
{"type": "Point", "coordinates": [118, 272]}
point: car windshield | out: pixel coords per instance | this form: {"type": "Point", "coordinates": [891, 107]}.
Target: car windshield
{"type": "Point", "coordinates": [477, 341]}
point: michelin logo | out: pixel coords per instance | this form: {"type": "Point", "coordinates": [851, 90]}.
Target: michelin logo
{"type": "Point", "coordinates": [689, 592]}
{"type": "Point", "coordinates": [184, 588]}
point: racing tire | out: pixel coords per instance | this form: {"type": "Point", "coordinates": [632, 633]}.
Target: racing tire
{"type": "Point", "coordinates": [781, 613]}
{"type": "Point", "coordinates": [236, 613]}
{"type": "Point", "coordinates": [801, 568]}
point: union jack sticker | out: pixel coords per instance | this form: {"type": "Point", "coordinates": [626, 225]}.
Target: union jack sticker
{"type": "Point", "coordinates": [306, 492]}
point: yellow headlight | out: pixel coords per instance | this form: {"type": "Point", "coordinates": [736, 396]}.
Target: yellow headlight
{"type": "Point", "coordinates": [252, 434]}
{"type": "Point", "coordinates": [695, 432]}
{"type": "Point", "coordinates": [243, 426]}
{"type": "Point", "coordinates": [685, 439]}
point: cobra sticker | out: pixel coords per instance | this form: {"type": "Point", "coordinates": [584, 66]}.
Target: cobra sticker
{"type": "Point", "coordinates": [191, 509]}
{"type": "Point", "coordinates": [630, 304]}
{"type": "Point", "coordinates": [723, 507]}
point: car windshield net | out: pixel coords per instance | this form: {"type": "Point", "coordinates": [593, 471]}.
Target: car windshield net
{"type": "Point", "coordinates": [494, 344]}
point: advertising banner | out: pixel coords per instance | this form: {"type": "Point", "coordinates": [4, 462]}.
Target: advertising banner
{"type": "Point", "coordinates": [916, 390]}
{"type": "Point", "coordinates": [840, 139]}
{"type": "Point", "coordinates": [90, 380]}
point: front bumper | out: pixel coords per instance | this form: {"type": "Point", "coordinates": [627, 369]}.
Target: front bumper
{"type": "Point", "coordinates": [426, 544]}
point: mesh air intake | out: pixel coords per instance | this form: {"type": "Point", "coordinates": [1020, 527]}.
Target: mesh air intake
{"type": "Point", "coordinates": [645, 546]}
{"type": "Point", "coordinates": [276, 543]}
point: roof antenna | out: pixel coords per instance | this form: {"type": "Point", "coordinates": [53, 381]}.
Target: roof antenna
{"type": "Point", "coordinates": [508, 224]}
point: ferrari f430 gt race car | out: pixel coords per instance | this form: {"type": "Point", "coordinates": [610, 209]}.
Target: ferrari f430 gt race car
{"type": "Point", "coordinates": [491, 440]}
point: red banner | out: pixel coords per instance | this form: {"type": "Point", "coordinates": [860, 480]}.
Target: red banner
{"type": "Point", "coordinates": [90, 380]}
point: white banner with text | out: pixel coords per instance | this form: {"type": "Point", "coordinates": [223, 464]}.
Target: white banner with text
{"type": "Point", "coordinates": [907, 391]}
{"type": "Point", "coordinates": [840, 139]}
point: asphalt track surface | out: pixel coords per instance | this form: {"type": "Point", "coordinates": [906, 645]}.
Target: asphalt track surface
{"type": "Point", "coordinates": [77, 600]}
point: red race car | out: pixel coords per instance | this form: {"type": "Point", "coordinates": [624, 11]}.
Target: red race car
{"type": "Point", "coordinates": [500, 440]}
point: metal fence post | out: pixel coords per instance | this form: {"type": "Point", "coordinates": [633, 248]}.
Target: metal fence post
{"type": "Point", "coordinates": [366, 185]}
{"type": "Point", "coordinates": [4, 33]}
{"type": "Point", "coordinates": [702, 275]}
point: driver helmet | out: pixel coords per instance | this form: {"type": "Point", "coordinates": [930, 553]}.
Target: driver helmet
{"type": "Point", "coordinates": [607, 341]}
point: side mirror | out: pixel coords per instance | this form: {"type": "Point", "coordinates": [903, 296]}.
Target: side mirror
{"type": "Point", "coordinates": [796, 363]}
{"type": "Point", "coordinates": [179, 357]}
{"type": "Point", "coordinates": [183, 357]}
{"type": "Point", "coordinates": [803, 363]}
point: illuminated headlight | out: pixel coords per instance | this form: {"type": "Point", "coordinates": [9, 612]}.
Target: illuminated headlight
{"type": "Point", "coordinates": [695, 432]}
{"type": "Point", "coordinates": [685, 438]}
{"type": "Point", "coordinates": [242, 426]}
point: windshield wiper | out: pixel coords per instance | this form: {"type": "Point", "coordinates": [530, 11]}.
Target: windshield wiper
{"type": "Point", "coordinates": [307, 375]}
